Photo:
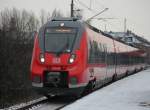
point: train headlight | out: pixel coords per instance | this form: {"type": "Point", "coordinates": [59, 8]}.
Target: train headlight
{"type": "Point", "coordinates": [72, 58]}
{"type": "Point", "coordinates": [42, 59]}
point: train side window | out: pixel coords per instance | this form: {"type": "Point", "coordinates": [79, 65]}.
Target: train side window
{"type": "Point", "coordinates": [89, 50]}
{"type": "Point", "coordinates": [91, 56]}
{"type": "Point", "coordinates": [95, 51]}
{"type": "Point", "coordinates": [104, 53]}
{"type": "Point", "coordinates": [100, 52]}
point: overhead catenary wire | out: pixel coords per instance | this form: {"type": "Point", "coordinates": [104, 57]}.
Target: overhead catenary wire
{"type": "Point", "coordinates": [94, 11]}
{"type": "Point", "coordinates": [97, 14]}
{"type": "Point", "coordinates": [85, 6]}
{"type": "Point", "coordinates": [118, 28]}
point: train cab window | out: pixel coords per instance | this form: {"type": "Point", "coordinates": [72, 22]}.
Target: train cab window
{"type": "Point", "coordinates": [59, 39]}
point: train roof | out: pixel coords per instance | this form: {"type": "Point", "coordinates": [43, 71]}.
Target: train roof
{"type": "Point", "coordinates": [107, 35]}
{"type": "Point", "coordinates": [75, 22]}
{"type": "Point", "coordinates": [69, 22]}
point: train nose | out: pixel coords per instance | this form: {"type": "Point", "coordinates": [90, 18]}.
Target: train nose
{"type": "Point", "coordinates": [55, 79]}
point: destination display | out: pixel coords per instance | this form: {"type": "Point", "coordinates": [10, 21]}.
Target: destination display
{"type": "Point", "coordinates": [60, 30]}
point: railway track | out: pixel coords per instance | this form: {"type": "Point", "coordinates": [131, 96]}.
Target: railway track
{"type": "Point", "coordinates": [56, 103]}
{"type": "Point", "coordinates": [53, 103]}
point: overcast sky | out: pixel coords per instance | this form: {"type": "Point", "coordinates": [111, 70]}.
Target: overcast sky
{"type": "Point", "coordinates": [135, 11]}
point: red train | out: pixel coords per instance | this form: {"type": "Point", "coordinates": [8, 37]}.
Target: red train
{"type": "Point", "coordinates": [71, 57]}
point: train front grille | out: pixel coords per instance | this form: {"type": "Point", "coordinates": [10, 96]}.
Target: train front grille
{"type": "Point", "coordinates": [56, 79]}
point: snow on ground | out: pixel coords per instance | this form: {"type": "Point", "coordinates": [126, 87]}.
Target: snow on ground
{"type": "Point", "coordinates": [126, 94]}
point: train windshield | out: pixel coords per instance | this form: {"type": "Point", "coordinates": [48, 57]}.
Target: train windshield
{"type": "Point", "coordinates": [59, 40]}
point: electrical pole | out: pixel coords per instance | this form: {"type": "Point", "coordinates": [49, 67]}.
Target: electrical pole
{"type": "Point", "coordinates": [105, 28]}
{"type": "Point", "coordinates": [90, 4]}
{"type": "Point", "coordinates": [125, 25]}
{"type": "Point", "coordinates": [72, 11]}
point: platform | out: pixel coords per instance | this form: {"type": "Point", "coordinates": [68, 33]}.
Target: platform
{"type": "Point", "coordinates": [130, 93]}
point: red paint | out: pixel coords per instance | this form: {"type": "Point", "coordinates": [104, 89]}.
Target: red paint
{"type": "Point", "coordinates": [80, 68]}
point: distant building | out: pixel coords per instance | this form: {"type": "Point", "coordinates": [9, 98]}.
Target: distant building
{"type": "Point", "coordinates": [134, 40]}
{"type": "Point", "coordinates": [130, 38]}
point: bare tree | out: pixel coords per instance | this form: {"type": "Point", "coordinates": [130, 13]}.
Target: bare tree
{"type": "Point", "coordinates": [57, 14]}
{"type": "Point", "coordinates": [16, 43]}
{"type": "Point", "coordinates": [43, 17]}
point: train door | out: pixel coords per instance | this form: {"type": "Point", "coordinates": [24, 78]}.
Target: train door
{"type": "Point", "coordinates": [114, 58]}
{"type": "Point", "coordinates": [102, 56]}
{"type": "Point", "coordinates": [110, 61]}
{"type": "Point", "coordinates": [97, 54]}
{"type": "Point", "coordinates": [118, 71]}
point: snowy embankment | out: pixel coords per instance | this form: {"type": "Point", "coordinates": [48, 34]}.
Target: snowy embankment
{"type": "Point", "coordinates": [130, 93]}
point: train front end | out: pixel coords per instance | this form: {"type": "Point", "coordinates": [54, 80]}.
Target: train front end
{"type": "Point", "coordinates": [59, 58]}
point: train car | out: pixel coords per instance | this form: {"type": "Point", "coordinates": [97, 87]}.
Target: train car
{"type": "Point", "coordinates": [71, 57]}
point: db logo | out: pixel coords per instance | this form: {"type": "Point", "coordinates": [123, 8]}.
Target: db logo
{"type": "Point", "coordinates": [56, 60]}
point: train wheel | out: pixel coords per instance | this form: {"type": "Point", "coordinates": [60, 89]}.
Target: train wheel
{"type": "Point", "coordinates": [135, 71]}
{"type": "Point", "coordinates": [89, 88]}
{"type": "Point", "coordinates": [141, 68]}
{"type": "Point", "coordinates": [127, 73]}
{"type": "Point", "coordinates": [114, 78]}
{"type": "Point", "coordinates": [93, 84]}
